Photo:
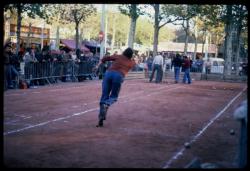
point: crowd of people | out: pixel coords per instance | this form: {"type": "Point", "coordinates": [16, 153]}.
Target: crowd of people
{"type": "Point", "coordinates": [178, 62]}
{"type": "Point", "coordinates": [47, 66]}
{"type": "Point", "coordinates": [39, 64]}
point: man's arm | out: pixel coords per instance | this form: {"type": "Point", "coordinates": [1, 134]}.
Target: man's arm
{"type": "Point", "coordinates": [104, 59]}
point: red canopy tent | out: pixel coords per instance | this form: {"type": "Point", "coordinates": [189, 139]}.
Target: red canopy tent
{"type": "Point", "coordinates": [71, 45]}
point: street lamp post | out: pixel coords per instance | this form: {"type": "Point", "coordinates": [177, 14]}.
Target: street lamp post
{"type": "Point", "coordinates": [42, 35]}
{"type": "Point", "coordinates": [103, 31]}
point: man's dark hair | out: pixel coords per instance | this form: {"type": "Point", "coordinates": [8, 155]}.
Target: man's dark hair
{"type": "Point", "coordinates": [178, 55]}
{"type": "Point", "coordinates": [128, 53]}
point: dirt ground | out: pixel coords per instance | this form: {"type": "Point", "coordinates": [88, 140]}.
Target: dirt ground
{"type": "Point", "coordinates": [55, 126]}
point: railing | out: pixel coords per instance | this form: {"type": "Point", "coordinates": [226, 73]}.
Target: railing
{"type": "Point", "coordinates": [51, 71]}
{"type": "Point", "coordinates": [73, 71]}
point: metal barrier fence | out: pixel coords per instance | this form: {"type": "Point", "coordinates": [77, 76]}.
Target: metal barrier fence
{"type": "Point", "coordinates": [73, 71]}
{"type": "Point", "coordinates": [51, 71]}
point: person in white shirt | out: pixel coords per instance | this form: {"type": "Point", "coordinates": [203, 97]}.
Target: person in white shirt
{"type": "Point", "coordinates": [157, 66]}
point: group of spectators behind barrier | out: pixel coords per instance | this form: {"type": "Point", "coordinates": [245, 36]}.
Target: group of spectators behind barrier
{"type": "Point", "coordinates": [41, 67]}
{"type": "Point", "coordinates": [53, 70]}
{"type": "Point", "coordinates": [47, 67]}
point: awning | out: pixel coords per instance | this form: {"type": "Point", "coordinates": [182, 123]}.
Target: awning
{"type": "Point", "coordinates": [91, 44]}
{"type": "Point", "coordinates": [55, 52]}
{"type": "Point", "coordinates": [71, 45]}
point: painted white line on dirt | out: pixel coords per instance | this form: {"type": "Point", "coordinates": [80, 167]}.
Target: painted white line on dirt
{"type": "Point", "coordinates": [36, 92]}
{"type": "Point", "coordinates": [85, 104]}
{"type": "Point", "coordinates": [75, 114]}
{"type": "Point", "coordinates": [130, 100]}
{"type": "Point", "coordinates": [47, 122]}
{"type": "Point", "coordinates": [180, 152]}
{"type": "Point", "coordinates": [15, 94]}
{"type": "Point", "coordinates": [58, 88]}
{"type": "Point", "coordinates": [11, 122]}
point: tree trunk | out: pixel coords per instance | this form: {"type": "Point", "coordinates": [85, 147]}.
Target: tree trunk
{"type": "Point", "coordinates": [19, 21]}
{"type": "Point", "coordinates": [6, 31]}
{"type": "Point", "coordinates": [237, 53]}
{"type": "Point", "coordinates": [216, 42]}
{"type": "Point", "coordinates": [28, 42]}
{"type": "Point", "coordinates": [228, 43]}
{"type": "Point", "coordinates": [186, 43]}
{"type": "Point", "coordinates": [113, 34]}
{"type": "Point", "coordinates": [81, 37]}
{"type": "Point", "coordinates": [156, 36]}
{"type": "Point", "coordinates": [77, 35]}
{"type": "Point", "coordinates": [156, 29]}
{"type": "Point", "coordinates": [132, 32]}
{"type": "Point", "coordinates": [186, 37]}
{"type": "Point", "coordinates": [195, 37]}
{"type": "Point", "coordinates": [195, 48]}
{"type": "Point", "coordinates": [203, 43]}
{"type": "Point", "coordinates": [57, 37]}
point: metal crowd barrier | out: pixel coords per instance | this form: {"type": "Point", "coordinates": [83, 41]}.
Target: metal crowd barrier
{"type": "Point", "coordinates": [51, 71]}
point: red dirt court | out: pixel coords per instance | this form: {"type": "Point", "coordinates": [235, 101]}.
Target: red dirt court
{"type": "Point", "coordinates": [55, 126]}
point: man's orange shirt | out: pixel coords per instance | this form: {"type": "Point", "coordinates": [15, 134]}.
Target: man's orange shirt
{"type": "Point", "coordinates": [120, 63]}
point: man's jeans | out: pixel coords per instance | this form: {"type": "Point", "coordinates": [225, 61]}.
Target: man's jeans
{"type": "Point", "coordinates": [176, 73]}
{"type": "Point", "coordinates": [111, 86]}
{"type": "Point", "coordinates": [187, 75]}
{"type": "Point", "coordinates": [159, 73]}
{"type": "Point", "coordinates": [12, 73]}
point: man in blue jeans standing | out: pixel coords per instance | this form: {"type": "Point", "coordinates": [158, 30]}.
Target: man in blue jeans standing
{"type": "Point", "coordinates": [186, 66]}
{"type": "Point", "coordinates": [157, 66]}
{"type": "Point", "coordinates": [177, 62]}
{"type": "Point", "coordinates": [113, 80]}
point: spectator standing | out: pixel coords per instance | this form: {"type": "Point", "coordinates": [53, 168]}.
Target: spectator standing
{"type": "Point", "coordinates": [39, 66]}
{"type": "Point", "coordinates": [149, 62]}
{"type": "Point", "coordinates": [186, 66]}
{"type": "Point", "coordinates": [208, 66]}
{"type": "Point", "coordinates": [9, 68]}
{"type": "Point", "coordinates": [177, 63]}
{"type": "Point", "coordinates": [158, 67]}
{"type": "Point", "coordinates": [29, 60]}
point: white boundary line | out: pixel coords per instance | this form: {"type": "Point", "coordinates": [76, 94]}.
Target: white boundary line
{"type": "Point", "coordinates": [76, 114]}
{"type": "Point", "coordinates": [55, 89]}
{"type": "Point", "coordinates": [122, 97]}
{"type": "Point", "coordinates": [180, 152]}
{"type": "Point", "coordinates": [54, 120]}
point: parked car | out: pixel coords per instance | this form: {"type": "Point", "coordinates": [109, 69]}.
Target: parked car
{"type": "Point", "coordinates": [214, 65]}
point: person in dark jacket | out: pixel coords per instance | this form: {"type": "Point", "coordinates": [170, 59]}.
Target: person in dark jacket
{"type": "Point", "coordinates": [186, 66]}
{"type": "Point", "coordinates": [113, 79]}
{"type": "Point", "coordinates": [9, 66]}
{"type": "Point", "coordinates": [177, 63]}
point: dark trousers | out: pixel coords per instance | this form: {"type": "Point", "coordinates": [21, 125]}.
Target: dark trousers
{"type": "Point", "coordinates": [243, 145]}
{"type": "Point", "coordinates": [159, 73]}
{"type": "Point", "coordinates": [186, 75]}
{"type": "Point", "coordinates": [10, 74]}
